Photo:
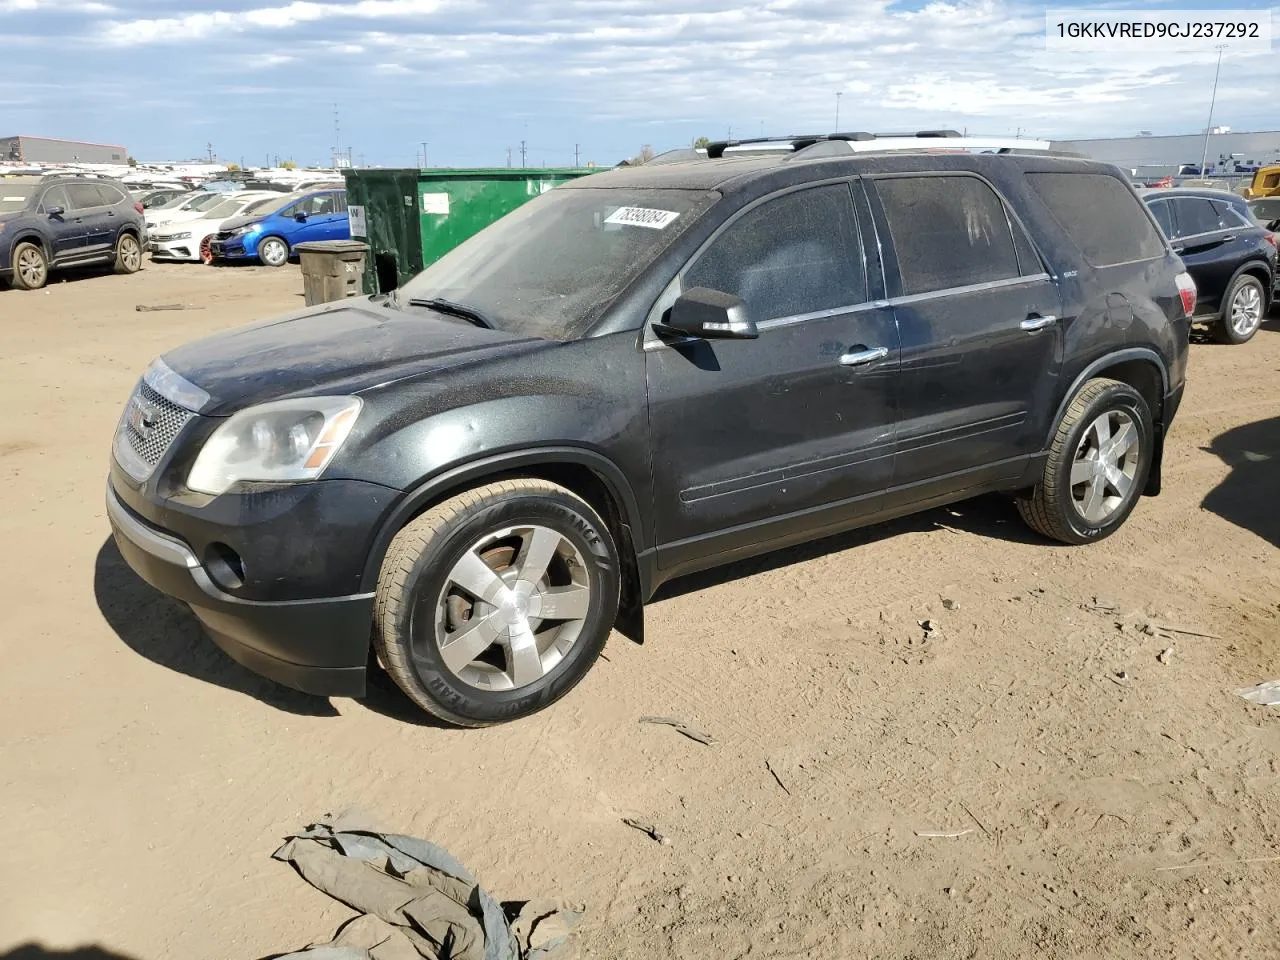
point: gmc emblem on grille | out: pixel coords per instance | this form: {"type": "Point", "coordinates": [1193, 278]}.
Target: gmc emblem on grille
{"type": "Point", "coordinates": [142, 418]}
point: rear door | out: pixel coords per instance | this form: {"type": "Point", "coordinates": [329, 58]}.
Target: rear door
{"type": "Point", "coordinates": [93, 213]}
{"type": "Point", "coordinates": [66, 228]}
{"type": "Point", "coordinates": [1207, 245]}
{"type": "Point", "coordinates": [981, 333]}
{"type": "Point", "coordinates": [757, 441]}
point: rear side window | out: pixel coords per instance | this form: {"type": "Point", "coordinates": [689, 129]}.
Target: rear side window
{"type": "Point", "coordinates": [1160, 209]}
{"type": "Point", "coordinates": [793, 255]}
{"type": "Point", "coordinates": [1195, 215]}
{"type": "Point", "coordinates": [1231, 215]}
{"type": "Point", "coordinates": [1101, 214]}
{"type": "Point", "coordinates": [110, 195]}
{"type": "Point", "coordinates": [83, 196]}
{"type": "Point", "coordinates": [948, 232]}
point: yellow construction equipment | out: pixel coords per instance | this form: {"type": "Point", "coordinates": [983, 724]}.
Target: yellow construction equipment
{"type": "Point", "coordinates": [1266, 183]}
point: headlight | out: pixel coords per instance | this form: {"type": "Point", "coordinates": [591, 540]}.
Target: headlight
{"type": "Point", "coordinates": [251, 228]}
{"type": "Point", "coordinates": [287, 440]}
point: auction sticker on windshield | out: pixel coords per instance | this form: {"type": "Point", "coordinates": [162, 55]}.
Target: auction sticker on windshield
{"type": "Point", "coordinates": [642, 217]}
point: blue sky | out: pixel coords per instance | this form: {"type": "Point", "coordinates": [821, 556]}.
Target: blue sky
{"type": "Point", "coordinates": [257, 78]}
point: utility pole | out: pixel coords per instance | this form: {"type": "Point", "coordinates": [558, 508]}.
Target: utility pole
{"type": "Point", "coordinates": [337, 136]}
{"type": "Point", "coordinates": [424, 154]}
{"type": "Point", "coordinates": [524, 153]}
{"type": "Point", "coordinates": [576, 153]}
{"type": "Point", "coordinates": [839, 94]}
{"type": "Point", "coordinates": [1213, 102]}
{"type": "Point", "coordinates": [508, 157]}
{"type": "Point", "coordinates": [209, 146]}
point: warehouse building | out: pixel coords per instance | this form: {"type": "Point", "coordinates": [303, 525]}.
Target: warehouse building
{"type": "Point", "coordinates": [49, 150]}
{"type": "Point", "coordinates": [1229, 152]}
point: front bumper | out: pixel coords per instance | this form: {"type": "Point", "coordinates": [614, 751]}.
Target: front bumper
{"type": "Point", "coordinates": [188, 249]}
{"type": "Point", "coordinates": [236, 248]}
{"type": "Point", "coordinates": [316, 646]}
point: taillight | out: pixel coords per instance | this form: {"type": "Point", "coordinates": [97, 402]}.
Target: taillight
{"type": "Point", "coordinates": [137, 206]}
{"type": "Point", "coordinates": [1187, 291]}
{"type": "Point", "coordinates": [1270, 238]}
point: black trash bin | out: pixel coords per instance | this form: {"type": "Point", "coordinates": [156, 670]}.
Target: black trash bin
{"type": "Point", "coordinates": [331, 269]}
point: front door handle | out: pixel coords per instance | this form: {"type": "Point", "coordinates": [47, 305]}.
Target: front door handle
{"type": "Point", "coordinates": [1032, 324]}
{"type": "Point", "coordinates": [859, 357]}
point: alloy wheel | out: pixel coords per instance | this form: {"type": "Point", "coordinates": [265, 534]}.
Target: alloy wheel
{"type": "Point", "coordinates": [1246, 310]}
{"type": "Point", "coordinates": [129, 252]}
{"type": "Point", "coordinates": [32, 268]}
{"type": "Point", "coordinates": [1106, 466]}
{"type": "Point", "coordinates": [511, 609]}
{"type": "Point", "coordinates": [274, 253]}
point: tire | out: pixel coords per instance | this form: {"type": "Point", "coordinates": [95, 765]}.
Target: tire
{"type": "Point", "coordinates": [30, 266]}
{"type": "Point", "coordinates": [1243, 310]}
{"type": "Point", "coordinates": [206, 251]}
{"type": "Point", "coordinates": [1076, 514]}
{"type": "Point", "coordinates": [273, 252]}
{"type": "Point", "coordinates": [128, 254]}
{"type": "Point", "coordinates": [419, 603]}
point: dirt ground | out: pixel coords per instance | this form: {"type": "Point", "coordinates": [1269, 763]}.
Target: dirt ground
{"type": "Point", "coordinates": [1111, 803]}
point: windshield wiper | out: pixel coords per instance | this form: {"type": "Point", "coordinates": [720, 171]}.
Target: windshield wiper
{"type": "Point", "coordinates": [457, 310]}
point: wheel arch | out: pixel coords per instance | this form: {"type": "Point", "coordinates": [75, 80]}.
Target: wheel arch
{"type": "Point", "coordinates": [1141, 368]}
{"type": "Point", "coordinates": [33, 236]}
{"type": "Point", "coordinates": [1255, 268]}
{"type": "Point", "coordinates": [586, 473]}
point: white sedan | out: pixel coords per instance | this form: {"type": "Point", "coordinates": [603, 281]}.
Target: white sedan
{"type": "Point", "coordinates": [189, 239]}
{"type": "Point", "coordinates": [188, 207]}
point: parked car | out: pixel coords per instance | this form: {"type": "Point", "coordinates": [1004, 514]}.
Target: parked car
{"type": "Point", "coordinates": [190, 206]}
{"type": "Point", "coordinates": [1231, 258]}
{"type": "Point", "coordinates": [190, 239]}
{"type": "Point", "coordinates": [270, 234]}
{"type": "Point", "coordinates": [640, 374]}
{"type": "Point", "coordinates": [57, 221]}
{"type": "Point", "coordinates": [158, 197]}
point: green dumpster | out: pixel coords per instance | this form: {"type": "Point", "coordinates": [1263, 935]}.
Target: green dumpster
{"type": "Point", "coordinates": [411, 218]}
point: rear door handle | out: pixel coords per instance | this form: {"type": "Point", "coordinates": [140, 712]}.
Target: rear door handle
{"type": "Point", "coordinates": [1032, 324]}
{"type": "Point", "coordinates": [859, 357]}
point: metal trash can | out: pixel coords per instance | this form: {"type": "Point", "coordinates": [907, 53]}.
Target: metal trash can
{"type": "Point", "coordinates": [331, 269]}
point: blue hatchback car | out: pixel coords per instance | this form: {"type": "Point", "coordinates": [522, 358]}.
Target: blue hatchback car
{"type": "Point", "coordinates": [270, 233]}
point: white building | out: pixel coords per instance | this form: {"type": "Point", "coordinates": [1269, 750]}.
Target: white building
{"type": "Point", "coordinates": [1230, 153]}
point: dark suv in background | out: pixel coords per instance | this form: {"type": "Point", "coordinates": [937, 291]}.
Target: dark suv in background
{"type": "Point", "coordinates": [56, 221]}
{"type": "Point", "coordinates": [641, 374]}
{"type": "Point", "coordinates": [1231, 258]}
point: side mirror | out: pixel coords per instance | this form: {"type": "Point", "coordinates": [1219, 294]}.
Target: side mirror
{"type": "Point", "coordinates": [300, 216]}
{"type": "Point", "coordinates": [54, 211]}
{"type": "Point", "coordinates": [710, 314]}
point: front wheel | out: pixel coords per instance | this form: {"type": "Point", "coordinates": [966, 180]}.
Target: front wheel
{"type": "Point", "coordinates": [1242, 311]}
{"type": "Point", "coordinates": [128, 254]}
{"type": "Point", "coordinates": [30, 267]}
{"type": "Point", "coordinates": [273, 252]}
{"type": "Point", "coordinates": [494, 604]}
{"type": "Point", "coordinates": [1097, 467]}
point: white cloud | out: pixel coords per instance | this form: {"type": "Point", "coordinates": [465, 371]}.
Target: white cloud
{"type": "Point", "coordinates": [38, 6]}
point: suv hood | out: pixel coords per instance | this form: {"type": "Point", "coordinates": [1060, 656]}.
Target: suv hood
{"type": "Point", "coordinates": [337, 349]}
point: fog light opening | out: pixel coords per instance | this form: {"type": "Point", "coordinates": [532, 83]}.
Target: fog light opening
{"type": "Point", "coordinates": [225, 566]}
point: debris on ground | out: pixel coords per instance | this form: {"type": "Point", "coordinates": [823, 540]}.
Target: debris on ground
{"type": "Point", "coordinates": [157, 307]}
{"type": "Point", "coordinates": [943, 834]}
{"type": "Point", "coordinates": [929, 627]}
{"type": "Point", "coordinates": [774, 773]}
{"type": "Point", "coordinates": [1100, 605]}
{"type": "Point", "coordinates": [1167, 630]}
{"type": "Point", "coordinates": [417, 902]}
{"type": "Point", "coordinates": [1165, 655]}
{"type": "Point", "coordinates": [681, 727]}
{"type": "Point", "coordinates": [647, 828]}
{"type": "Point", "coordinates": [1264, 694]}
{"type": "Point", "coordinates": [949, 604]}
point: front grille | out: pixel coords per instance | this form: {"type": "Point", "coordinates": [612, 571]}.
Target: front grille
{"type": "Point", "coordinates": [149, 426]}
{"type": "Point", "coordinates": [223, 235]}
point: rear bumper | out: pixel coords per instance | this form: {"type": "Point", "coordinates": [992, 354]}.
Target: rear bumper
{"type": "Point", "coordinates": [316, 646]}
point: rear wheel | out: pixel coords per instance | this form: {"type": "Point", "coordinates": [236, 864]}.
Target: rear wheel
{"type": "Point", "coordinates": [30, 267]}
{"type": "Point", "coordinates": [273, 252]}
{"type": "Point", "coordinates": [1097, 467]}
{"type": "Point", "coordinates": [1242, 310]}
{"type": "Point", "coordinates": [128, 254]}
{"type": "Point", "coordinates": [496, 603]}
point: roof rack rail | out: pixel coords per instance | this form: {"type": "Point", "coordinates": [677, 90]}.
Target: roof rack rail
{"type": "Point", "coordinates": [798, 142]}
{"type": "Point", "coordinates": [77, 175]}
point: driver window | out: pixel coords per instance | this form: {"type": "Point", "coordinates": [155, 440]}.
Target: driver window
{"type": "Point", "coordinates": [55, 197]}
{"type": "Point", "coordinates": [793, 255]}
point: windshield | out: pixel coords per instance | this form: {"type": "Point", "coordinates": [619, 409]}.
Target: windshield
{"type": "Point", "coordinates": [550, 268]}
{"type": "Point", "coordinates": [273, 204]}
{"type": "Point", "coordinates": [228, 208]}
{"type": "Point", "coordinates": [14, 196]}
{"type": "Point", "coordinates": [204, 201]}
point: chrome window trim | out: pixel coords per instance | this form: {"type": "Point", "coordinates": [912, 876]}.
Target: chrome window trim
{"type": "Point", "coordinates": [779, 322]}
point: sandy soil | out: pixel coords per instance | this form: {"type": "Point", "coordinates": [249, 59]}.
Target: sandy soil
{"type": "Point", "coordinates": [1115, 805]}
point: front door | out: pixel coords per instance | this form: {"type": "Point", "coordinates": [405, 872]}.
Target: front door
{"type": "Point", "coordinates": [981, 334]}
{"type": "Point", "coordinates": [1208, 244]}
{"type": "Point", "coordinates": [66, 227]}
{"type": "Point", "coordinates": [95, 216]}
{"type": "Point", "coordinates": [756, 442]}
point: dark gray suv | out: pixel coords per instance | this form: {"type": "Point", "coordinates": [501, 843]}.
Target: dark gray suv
{"type": "Point", "coordinates": [641, 374]}
{"type": "Point", "coordinates": [62, 220]}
